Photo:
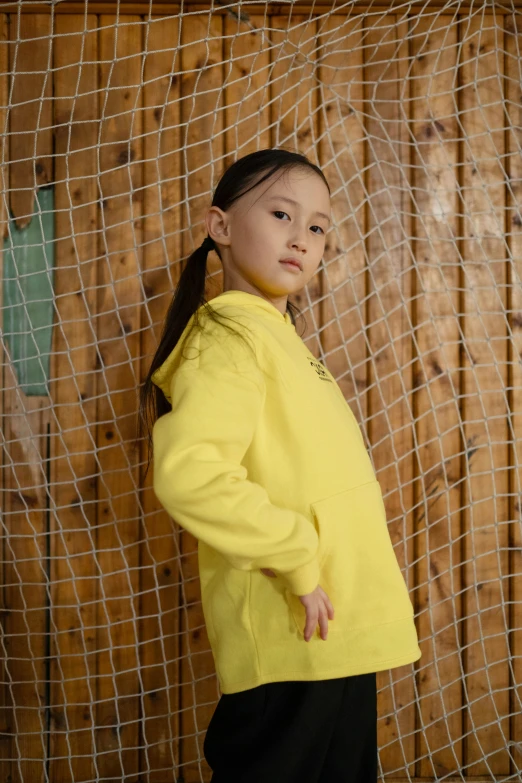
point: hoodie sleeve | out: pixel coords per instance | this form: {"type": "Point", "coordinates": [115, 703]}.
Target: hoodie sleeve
{"type": "Point", "coordinates": [198, 448]}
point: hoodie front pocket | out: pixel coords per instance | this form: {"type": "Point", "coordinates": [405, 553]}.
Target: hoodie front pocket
{"type": "Point", "coordinates": [359, 569]}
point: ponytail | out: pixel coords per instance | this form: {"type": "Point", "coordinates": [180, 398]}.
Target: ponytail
{"type": "Point", "coordinates": [188, 297]}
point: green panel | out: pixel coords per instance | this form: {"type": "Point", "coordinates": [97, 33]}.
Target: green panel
{"type": "Point", "coordinates": [28, 295]}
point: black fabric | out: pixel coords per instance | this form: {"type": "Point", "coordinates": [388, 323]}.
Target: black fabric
{"type": "Point", "coordinates": [321, 731]}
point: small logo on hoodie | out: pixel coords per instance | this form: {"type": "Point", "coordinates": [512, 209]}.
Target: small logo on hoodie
{"type": "Point", "coordinates": [320, 370]}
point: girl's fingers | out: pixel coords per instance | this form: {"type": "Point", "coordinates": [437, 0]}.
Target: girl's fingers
{"type": "Point", "coordinates": [329, 605]}
{"type": "Point", "coordinates": [318, 613]}
{"type": "Point", "coordinates": [310, 626]}
{"type": "Point", "coordinates": [325, 613]}
{"type": "Point", "coordinates": [320, 619]}
{"type": "Point", "coordinates": [323, 625]}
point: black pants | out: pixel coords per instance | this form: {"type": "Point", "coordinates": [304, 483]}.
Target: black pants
{"type": "Point", "coordinates": [321, 731]}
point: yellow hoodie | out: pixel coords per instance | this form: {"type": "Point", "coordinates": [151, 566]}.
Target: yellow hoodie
{"type": "Point", "coordinates": [263, 461]}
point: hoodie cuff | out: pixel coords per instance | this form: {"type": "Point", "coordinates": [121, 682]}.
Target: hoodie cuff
{"type": "Point", "coordinates": [302, 580]}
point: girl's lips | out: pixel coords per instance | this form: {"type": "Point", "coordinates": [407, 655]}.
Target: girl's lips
{"type": "Point", "coordinates": [290, 265]}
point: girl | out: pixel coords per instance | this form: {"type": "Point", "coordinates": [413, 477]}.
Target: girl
{"type": "Point", "coordinates": [258, 455]}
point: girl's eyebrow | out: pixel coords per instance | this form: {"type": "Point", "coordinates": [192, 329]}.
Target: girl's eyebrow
{"type": "Point", "coordinates": [291, 201]}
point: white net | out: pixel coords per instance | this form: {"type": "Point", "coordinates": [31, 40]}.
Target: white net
{"type": "Point", "coordinates": [117, 121]}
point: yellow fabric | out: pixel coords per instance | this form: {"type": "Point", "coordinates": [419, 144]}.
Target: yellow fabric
{"type": "Point", "coordinates": [263, 461]}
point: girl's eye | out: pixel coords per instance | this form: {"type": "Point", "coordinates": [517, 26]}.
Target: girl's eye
{"type": "Point", "coordinates": [279, 212]}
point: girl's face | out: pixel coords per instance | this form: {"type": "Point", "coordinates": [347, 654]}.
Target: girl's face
{"type": "Point", "coordinates": [287, 216]}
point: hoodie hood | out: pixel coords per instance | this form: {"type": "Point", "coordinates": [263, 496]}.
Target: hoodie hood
{"type": "Point", "coordinates": [232, 302]}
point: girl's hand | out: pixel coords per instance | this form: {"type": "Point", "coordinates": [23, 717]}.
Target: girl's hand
{"type": "Point", "coordinates": [318, 608]}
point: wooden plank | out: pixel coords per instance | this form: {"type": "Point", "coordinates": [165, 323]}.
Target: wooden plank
{"type": "Point", "coordinates": [436, 381]}
{"type": "Point", "coordinates": [294, 101]}
{"type": "Point", "coordinates": [118, 531]}
{"type": "Point", "coordinates": [202, 91]}
{"type": "Point", "coordinates": [30, 117]}
{"type": "Point", "coordinates": [484, 372]}
{"type": "Point", "coordinates": [256, 9]}
{"type": "Point", "coordinates": [247, 97]}
{"type": "Point", "coordinates": [26, 439]}
{"type": "Point", "coordinates": [159, 583]}
{"type": "Point", "coordinates": [26, 622]}
{"type": "Point", "coordinates": [341, 151]}
{"type": "Point", "coordinates": [390, 424]}
{"type": "Point", "coordinates": [513, 41]}
{"type": "Point", "coordinates": [6, 716]}
{"type": "Point", "coordinates": [73, 394]}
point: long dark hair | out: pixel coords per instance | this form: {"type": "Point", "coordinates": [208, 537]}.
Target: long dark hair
{"type": "Point", "coordinates": [237, 180]}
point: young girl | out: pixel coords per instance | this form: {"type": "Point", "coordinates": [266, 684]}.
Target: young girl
{"type": "Point", "coordinates": [258, 455]}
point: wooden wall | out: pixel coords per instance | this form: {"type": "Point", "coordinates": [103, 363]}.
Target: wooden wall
{"type": "Point", "coordinates": [416, 121]}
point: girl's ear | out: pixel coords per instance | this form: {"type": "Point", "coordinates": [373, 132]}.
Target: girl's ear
{"type": "Point", "coordinates": [218, 225]}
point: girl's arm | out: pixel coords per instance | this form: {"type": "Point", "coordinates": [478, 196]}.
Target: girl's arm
{"type": "Point", "coordinates": [199, 479]}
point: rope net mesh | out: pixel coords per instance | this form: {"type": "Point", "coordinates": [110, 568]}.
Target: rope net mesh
{"type": "Point", "coordinates": [116, 124]}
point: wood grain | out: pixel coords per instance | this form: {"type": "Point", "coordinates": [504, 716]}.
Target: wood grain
{"type": "Point", "coordinates": [26, 434]}
{"type": "Point", "coordinates": [389, 325]}
{"type": "Point", "coordinates": [73, 394]}
{"type": "Point", "coordinates": [118, 344]}
{"type": "Point", "coordinates": [202, 114]}
{"type": "Point", "coordinates": [484, 409]}
{"type": "Point", "coordinates": [159, 573]}
{"type": "Point", "coordinates": [437, 508]}
{"type": "Point", "coordinates": [513, 42]}
{"type": "Point", "coordinates": [6, 714]}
